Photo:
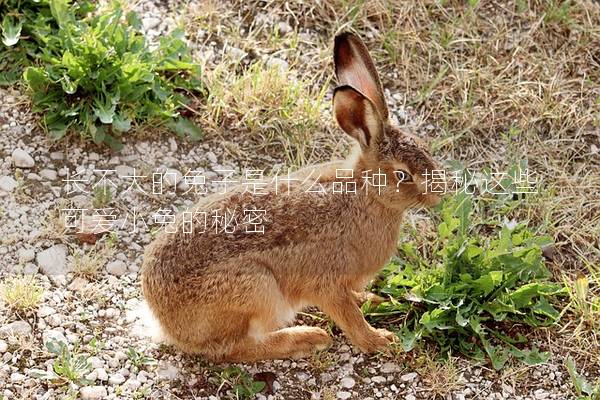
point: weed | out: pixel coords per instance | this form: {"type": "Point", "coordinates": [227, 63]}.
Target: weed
{"type": "Point", "coordinates": [66, 368]}
{"type": "Point", "coordinates": [582, 304]}
{"type": "Point", "coordinates": [584, 389]}
{"type": "Point", "coordinates": [22, 294]}
{"type": "Point", "coordinates": [470, 288]}
{"type": "Point", "coordinates": [439, 377]}
{"type": "Point", "coordinates": [95, 346]}
{"type": "Point", "coordinates": [241, 383]}
{"type": "Point", "coordinates": [139, 360]}
{"type": "Point", "coordinates": [102, 196]}
{"type": "Point", "coordinates": [268, 103]}
{"type": "Point", "coordinates": [87, 264]}
{"type": "Point", "coordinates": [99, 77]}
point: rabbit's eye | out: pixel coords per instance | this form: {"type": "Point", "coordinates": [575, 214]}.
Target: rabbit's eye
{"type": "Point", "coordinates": [403, 176]}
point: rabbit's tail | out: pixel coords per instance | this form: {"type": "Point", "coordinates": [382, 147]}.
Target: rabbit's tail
{"type": "Point", "coordinates": [152, 326]}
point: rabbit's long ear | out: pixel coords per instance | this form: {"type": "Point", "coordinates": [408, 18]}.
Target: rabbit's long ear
{"type": "Point", "coordinates": [354, 67]}
{"type": "Point", "coordinates": [356, 115]}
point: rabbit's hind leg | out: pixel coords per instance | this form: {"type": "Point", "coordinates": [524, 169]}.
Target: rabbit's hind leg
{"type": "Point", "coordinates": [292, 342]}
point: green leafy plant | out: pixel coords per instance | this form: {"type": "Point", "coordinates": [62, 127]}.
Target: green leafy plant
{"type": "Point", "coordinates": [584, 389]}
{"type": "Point", "coordinates": [23, 22]}
{"type": "Point", "coordinates": [242, 384]}
{"type": "Point", "coordinates": [139, 360]}
{"type": "Point", "coordinates": [67, 367]}
{"type": "Point", "coordinates": [471, 288]}
{"type": "Point", "coordinates": [98, 76]}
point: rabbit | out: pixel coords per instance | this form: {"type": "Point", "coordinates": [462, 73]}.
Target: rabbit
{"type": "Point", "coordinates": [230, 296]}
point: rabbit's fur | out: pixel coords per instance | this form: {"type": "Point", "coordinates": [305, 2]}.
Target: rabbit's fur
{"type": "Point", "coordinates": [230, 296]}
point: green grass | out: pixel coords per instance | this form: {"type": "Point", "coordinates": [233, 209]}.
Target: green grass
{"type": "Point", "coordinates": [22, 294]}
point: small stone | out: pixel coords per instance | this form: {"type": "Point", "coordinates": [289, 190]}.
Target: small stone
{"type": "Point", "coordinates": [344, 395]}
{"type": "Point", "coordinates": [117, 268]}
{"type": "Point", "coordinates": [378, 379]}
{"type": "Point", "coordinates": [15, 328]}
{"type": "Point", "coordinates": [212, 157]}
{"type": "Point", "coordinates": [166, 371]}
{"type": "Point", "coordinates": [275, 62]}
{"type": "Point", "coordinates": [236, 54]}
{"type": "Point", "coordinates": [45, 311]}
{"type": "Point", "coordinates": [7, 184]}
{"type": "Point", "coordinates": [124, 170]}
{"type": "Point", "coordinates": [283, 28]}
{"type": "Point", "coordinates": [16, 377]}
{"type": "Point", "coordinates": [150, 23]}
{"type": "Point", "coordinates": [26, 255]}
{"type": "Point", "coordinates": [96, 362]}
{"type": "Point", "coordinates": [3, 346]}
{"type": "Point", "coordinates": [57, 155]}
{"type": "Point", "coordinates": [101, 374]}
{"type": "Point", "coordinates": [389, 368]}
{"type": "Point", "coordinates": [92, 376]}
{"type": "Point", "coordinates": [541, 394]}
{"type": "Point", "coordinates": [53, 261]}
{"type": "Point", "coordinates": [93, 392]}
{"type": "Point", "coordinates": [54, 336]}
{"type": "Point", "coordinates": [48, 174]}
{"type": "Point", "coordinates": [408, 377]}
{"type": "Point", "coordinates": [22, 159]}
{"type": "Point", "coordinates": [132, 384]}
{"type": "Point", "coordinates": [348, 382]}
{"type": "Point", "coordinates": [410, 397]}
{"type": "Point", "coordinates": [172, 177]}
{"type": "Point", "coordinates": [30, 269]}
{"type": "Point", "coordinates": [78, 284]}
{"type": "Point", "coordinates": [116, 379]}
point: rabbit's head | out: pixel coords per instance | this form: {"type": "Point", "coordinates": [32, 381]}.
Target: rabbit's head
{"type": "Point", "coordinates": [360, 109]}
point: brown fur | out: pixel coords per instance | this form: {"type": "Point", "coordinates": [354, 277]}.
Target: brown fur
{"type": "Point", "coordinates": [230, 296]}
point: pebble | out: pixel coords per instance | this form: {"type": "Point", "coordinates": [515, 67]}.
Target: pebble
{"type": "Point", "coordinates": [16, 377]}
{"type": "Point", "coordinates": [48, 174]}
{"type": "Point", "coordinates": [166, 371]}
{"type": "Point", "coordinates": [53, 261]}
{"type": "Point", "coordinates": [149, 23]}
{"type": "Point", "coordinates": [7, 184]}
{"type": "Point", "coordinates": [172, 177]}
{"type": "Point", "coordinates": [101, 374]}
{"type": "Point", "coordinates": [45, 311]}
{"type": "Point", "coordinates": [408, 377]}
{"type": "Point", "coordinates": [343, 395]}
{"type": "Point", "coordinates": [15, 328]}
{"type": "Point", "coordinates": [117, 268]}
{"type": "Point", "coordinates": [275, 62]}
{"type": "Point", "coordinates": [348, 382]}
{"type": "Point", "coordinates": [26, 255]}
{"type": "Point", "coordinates": [54, 336]}
{"type": "Point", "coordinates": [3, 346]}
{"type": "Point", "coordinates": [93, 392]}
{"type": "Point", "coordinates": [389, 368]}
{"type": "Point", "coordinates": [116, 379]}
{"type": "Point", "coordinates": [22, 159]}
{"type": "Point", "coordinates": [212, 157]}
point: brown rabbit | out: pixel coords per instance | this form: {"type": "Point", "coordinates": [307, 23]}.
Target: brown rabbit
{"type": "Point", "coordinates": [230, 296]}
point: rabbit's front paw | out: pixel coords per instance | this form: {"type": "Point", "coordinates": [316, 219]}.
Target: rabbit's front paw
{"type": "Point", "coordinates": [377, 340]}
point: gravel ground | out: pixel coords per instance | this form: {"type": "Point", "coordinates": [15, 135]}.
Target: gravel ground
{"type": "Point", "coordinates": [103, 317]}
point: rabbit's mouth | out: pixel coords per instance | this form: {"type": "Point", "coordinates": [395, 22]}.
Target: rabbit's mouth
{"type": "Point", "coordinates": [431, 199]}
